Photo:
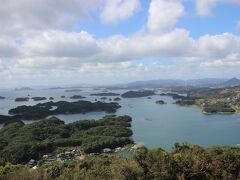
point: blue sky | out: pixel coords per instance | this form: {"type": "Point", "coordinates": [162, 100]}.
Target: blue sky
{"type": "Point", "coordinates": [114, 41]}
{"type": "Point", "coordinates": [223, 19]}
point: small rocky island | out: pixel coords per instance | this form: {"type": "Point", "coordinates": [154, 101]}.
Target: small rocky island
{"type": "Point", "coordinates": [77, 97]}
{"type": "Point", "coordinates": [161, 102]}
{"type": "Point", "coordinates": [117, 99]}
{"type": "Point", "coordinates": [43, 110]}
{"type": "Point", "coordinates": [73, 90]}
{"type": "Point", "coordinates": [103, 98]}
{"type": "Point", "coordinates": [1, 97]}
{"type": "Point", "coordinates": [39, 98]}
{"type": "Point", "coordinates": [22, 99]}
{"type": "Point", "coordinates": [105, 94]}
{"type": "Point", "coordinates": [140, 93]}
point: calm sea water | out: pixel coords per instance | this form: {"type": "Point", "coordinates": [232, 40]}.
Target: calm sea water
{"type": "Point", "coordinates": [153, 125]}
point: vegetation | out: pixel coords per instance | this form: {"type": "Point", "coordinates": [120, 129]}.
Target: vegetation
{"type": "Point", "coordinates": [105, 94]}
{"type": "Point", "coordinates": [117, 99]}
{"type": "Point", "coordinates": [185, 162]}
{"type": "Point", "coordinates": [43, 110]}
{"type": "Point", "coordinates": [4, 119]}
{"type": "Point", "coordinates": [77, 97]}
{"type": "Point", "coordinates": [19, 143]}
{"type": "Point", "coordinates": [218, 107]}
{"type": "Point", "coordinates": [1, 97]}
{"type": "Point", "coordinates": [134, 94]}
{"type": "Point", "coordinates": [160, 102]}
{"type": "Point", "coordinates": [217, 100]}
{"type": "Point", "coordinates": [22, 99]}
{"type": "Point", "coordinates": [73, 90]}
{"type": "Point", "coordinates": [39, 98]}
{"type": "Point", "coordinates": [173, 95]}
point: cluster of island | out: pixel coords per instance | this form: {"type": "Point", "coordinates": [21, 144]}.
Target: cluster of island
{"type": "Point", "coordinates": [218, 100]}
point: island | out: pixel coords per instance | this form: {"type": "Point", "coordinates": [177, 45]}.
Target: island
{"type": "Point", "coordinates": [160, 102]}
{"type": "Point", "coordinates": [173, 95]}
{"type": "Point", "coordinates": [221, 107]}
{"type": "Point", "coordinates": [77, 97]}
{"type": "Point", "coordinates": [51, 98]}
{"type": "Point", "coordinates": [39, 98]}
{"type": "Point", "coordinates": [43, 110]}
{"type": "Point", "coordinates": [212, 100]}
{"type": "Point", "coordinates": [22, 99]}
{"type": "Point", "coordinates": [22, 142]}
{"type": "Point", "coordinates": [1, 97]}
{"type": "Point", "coordinates": [63, 96]}
{"type": "Point", "coordinates": [140, 93]}
{"type": "Point", "coordinates": [117, 99]}
{"type": "Point", "coordinates": [73, 90]}
{"type": "Point", "coordinates": [4, 119]}
{"type": "Point", "coordinates": [105, 94]}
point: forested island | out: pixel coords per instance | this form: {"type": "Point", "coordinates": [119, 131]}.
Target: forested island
{"type": "Point", "coordinates": [4, 119]}
{"type": "Point", "coordinates": [140, 93]}
{"type": "Point", "coordinates": [1, 97]}
{"type": "Point", "coordinates": [43, 110]}
{"type": "Point", "coordinates": [160, 102]}
{"type": "Point", "coordinates": [117, 99]}
{"type": "Point", "coordinates": [39, 98]}
{"type": "Point", "coordinates": [215, 100]}
{"type": "Point", "coordinates": [22, 99]}
{"type": "Point", "coordinates": [77, 97]}
{"type": "Point", "coordinates": [19, 142]}
{"type": "Point", "coordinates": [73, 90]}
{"type": "Point", "coordinates": [105, 94]}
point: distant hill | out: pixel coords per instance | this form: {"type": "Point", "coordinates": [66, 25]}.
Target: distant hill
{"type": "Point", "coordinates": [23, 89]}
{"type": "Point", "coordinates": [231, 83]}
{"type": "Point", "coordinates": [208, 82]}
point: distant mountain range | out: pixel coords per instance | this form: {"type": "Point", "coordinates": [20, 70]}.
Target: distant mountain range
{"type": "Point", "coordinates": [208, 82]}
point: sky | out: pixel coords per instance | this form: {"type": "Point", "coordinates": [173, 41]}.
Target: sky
{"type": "Point", "coordinates": [61, 42]}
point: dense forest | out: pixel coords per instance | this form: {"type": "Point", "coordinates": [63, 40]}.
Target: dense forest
{"type": "Point", "coordinates": [185, 162]}
{"type": "Point", "coordinates": [19, 143]}
{"type": "Point", "coordinates": [43, 110]}
{"type": "Point", "coordinates": [140, 93]}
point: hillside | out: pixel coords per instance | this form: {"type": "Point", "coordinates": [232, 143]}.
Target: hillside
{"type": "Point", "coordinates": [213, 100]}
{"type": "Point", "coordinates": [19, 143]}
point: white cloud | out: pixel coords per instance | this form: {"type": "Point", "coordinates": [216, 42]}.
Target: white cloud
{"type": "Point", "coordinates": [204, 7]}
{"type": "Point", "coordinates": [19, 16]}
{"type": "Point", "coordinates": [82, 47]}
{"type": "Point", "coordinates": [163, 15]}
{"type": "Point", "coordinates": [50, 50]}
{"type": "Point", "coordinates": [218, 45]}
{"type": "Point", "coordinates": [118, 10]}
{"type": "Point", "coordinates": [61, 44]}
{"type": "Point", "coordinates": [8, 48]}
